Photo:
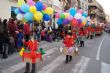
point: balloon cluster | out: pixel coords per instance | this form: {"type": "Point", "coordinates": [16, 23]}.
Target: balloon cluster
{"type": "Point", "coordinates": [73, 16]}
{"type": "Point", "coordinates": [33, 11]}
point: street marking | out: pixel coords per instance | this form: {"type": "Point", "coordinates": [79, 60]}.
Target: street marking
{"type": "Point", "coordinates": [105, 68]}
{"type": "Point", "coordinates": [51, 66]}
{"type": "Point", "coordinates": [81, 66]}
{"type": "Point", "coordinates": [99, 48]}
{"type": "Point", "coordinates": [84, 66]}
{"type": "Point", "coordinates": [21, 65]}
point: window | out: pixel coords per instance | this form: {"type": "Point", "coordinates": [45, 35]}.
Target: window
{"type": "Point", "coordinates": [90, 1]}
{"type": "Point", "coordinates": [13, 15]}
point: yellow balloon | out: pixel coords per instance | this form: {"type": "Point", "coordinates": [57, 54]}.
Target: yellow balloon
{"type": "Point", "coordinates": [66, 15]}
{"type": "Point", "coordinates": [20, 3]}
{"type": "Point", "coordinates": [49, 10]}
{"type": "Point", "coordinates": [38, 16]}
{"type": "Point", "coordinates": [33, 9]}
{"type": "Point", "coordinates": [84, 22]}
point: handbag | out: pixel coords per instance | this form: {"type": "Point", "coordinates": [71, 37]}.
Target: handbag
{"type": "Point", "coordinates": [61, 49]}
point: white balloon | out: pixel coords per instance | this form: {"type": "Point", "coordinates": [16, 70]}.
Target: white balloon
{"type": "Point", "coordinates": [78, 16]}
{"type": "Point", "coordinates": [83, 18]}
{"type": "Point", "coordinates": [20, 17]}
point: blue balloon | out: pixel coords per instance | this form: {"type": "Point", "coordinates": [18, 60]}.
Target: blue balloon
{"type": "Point", "coordinates": [21, 11]}
{"type": "Point", "coordinates": [16, 11]}
{"type": "Point", "coordinates": [72, 12]}
{"type": "Point", "coordinates": [65, 21]}
{"type": "Point", "coordinates": [60, 21]}
{"type": "Point", "coordinates": [46, 17]}
{"type": "Point", "coordinates": [25, 8]}
{"type": "Point", "coordinates": [84, 14]}
{"type": "Point", "coordinates": [28, 16]}
{"type": "Point", "coordinates": [39, 6]}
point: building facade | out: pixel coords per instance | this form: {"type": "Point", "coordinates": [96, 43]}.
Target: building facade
{"type": "Point", "coordinates": [6, 7]}
{"type": "Point", "coordinates": [95, 11]}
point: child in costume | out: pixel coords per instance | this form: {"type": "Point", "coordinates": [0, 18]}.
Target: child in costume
{"type": "Point", "coordinates": [31, 54]}
{"type": "Point", "coordinates": [81, 37]}
{"type": "Point", "coordinates": [68, 42]}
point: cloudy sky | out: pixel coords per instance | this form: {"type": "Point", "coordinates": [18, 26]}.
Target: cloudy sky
{"type": "Point", "coordinates": [106, 5]}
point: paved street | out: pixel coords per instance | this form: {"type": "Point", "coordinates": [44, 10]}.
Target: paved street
{"type": "Point", "coordinates": [93, 58]}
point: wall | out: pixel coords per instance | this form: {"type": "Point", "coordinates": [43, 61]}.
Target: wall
{"type": "Point", "coordinates": [5, 8]}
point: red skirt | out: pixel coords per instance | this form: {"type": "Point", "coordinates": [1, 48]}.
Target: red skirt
{"type": "Point", "coordinates": [32, 56]}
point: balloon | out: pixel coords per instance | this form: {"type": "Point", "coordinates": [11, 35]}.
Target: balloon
{"type": "Point", "coordinates": [65, 21]}
{"type": "Point", "coordinates": [74, 22]}
{"type": "Point", "coordinates": [84, 22]}
{"type": "Point", "coordinates": [60, 21]}
{"type": "Point", "coordinates": [19, 17]}
{"type": "Point", "coordinates": [83, 18]}
{"type": "Point", "coordinates": [57, 15]}
{"type": "Point", "coordinates": [80, 11]}
{"type": "Point", "coordinates": [79, 21]}
{"type": "Point", "coordinates": [84, 14]}
{"type": "Point", "coordinates": [46, 17]}
{"type": "Point", "coordinates": [25, 8]}
{"type": "Point", "coordinates": [16, 11]}
{"type": "Point", "coordinates": [28, 16]}
{"type": "Point", "coordinates": [21, 11]}
{"type": "Point", "coordinates": [70, 17]}
{"type": "Point", "coordinates": [72, 11]}
{"type": "Point", "coordinates": [20, 3]}
{"type": "Point", "coordinates": [30, 2]}
{"type": "Point", "coordinates": [33, 9]}
{"type": "Point", "coordinates": [44, 7]}
{"type": "Point", "coordinates": [43, 13]}
{"type": "Point", "coordinates": [38, 16]}
{"type": "Point", "coordinates": [78, 16]}
{"type": "Point", "coordinates": [39, 6]}
{"type": "Point", "coordinates": [62, 16]}
{"type": "Point", "coordinates": [66, 15]}
{"type": "Point", "coordinates": [49, 10]}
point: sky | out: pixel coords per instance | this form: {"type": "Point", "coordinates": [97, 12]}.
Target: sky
{"type": "Point", "coordinates": [106, 5]}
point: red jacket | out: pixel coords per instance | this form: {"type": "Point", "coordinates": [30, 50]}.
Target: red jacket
{"type": "Point", "coordinates": [33, 46]}
{"type": "Point", "coordinates": [68, 41]}
{"type": "Point", "coordinates": [26, 29]}
{"type": "Point", "coordinates": [82, 33]}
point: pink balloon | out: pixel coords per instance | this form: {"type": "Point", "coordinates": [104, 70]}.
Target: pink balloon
{"type": "Point", "coordinates": [44, 7]}
{"type": "Point", "coordinates": [57, 15]}
{"type": "Point", "coordinates": [70, 17]}
{"type": "Point", "coordinates": [80, 11]}
{"type": "Point", "coordinates": [30, 2]}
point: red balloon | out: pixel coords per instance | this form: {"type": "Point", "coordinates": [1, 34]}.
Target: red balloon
{"type": "Point", "coordinates": [74, 22]}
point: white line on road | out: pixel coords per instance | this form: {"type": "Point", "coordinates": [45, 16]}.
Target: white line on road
{"type": "Point", "coordinates": [50, 67]}
{"type": "Point", "coordinates": [105, 68]}
{"type": "Point", "coordinates": [84, 66]}
{"type": "Point", "coordinates": [81, 66]}
{"type": "Point", "coordinates": [99, 48]}
{"type": "Point", "coordinates": [21, 65]}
